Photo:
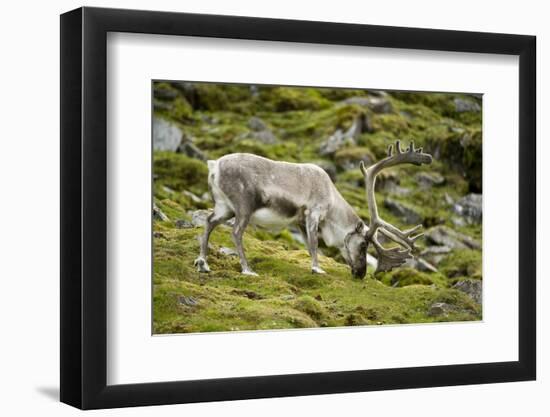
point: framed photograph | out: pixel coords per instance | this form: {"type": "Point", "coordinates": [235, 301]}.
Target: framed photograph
{"type": "Point", "coordinates": [257, 208]}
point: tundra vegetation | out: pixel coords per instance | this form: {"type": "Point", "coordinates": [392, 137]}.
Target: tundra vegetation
{"type": "Point", "coordinates": [336, 129]}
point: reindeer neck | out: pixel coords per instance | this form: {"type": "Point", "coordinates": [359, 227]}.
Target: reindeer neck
{"type": "Point", "coordinates": [340, 220]}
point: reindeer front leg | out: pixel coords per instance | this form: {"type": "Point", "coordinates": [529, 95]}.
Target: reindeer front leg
{"type": "Point", "coordinates": [312, 231]}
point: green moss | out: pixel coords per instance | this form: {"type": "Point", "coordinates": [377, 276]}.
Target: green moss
{"type": "Point", "coordinates": [462, 263]}
{"type": "Point", "coordinates": [353, 154]}
{"type": "Point", "coordinates": [282, 99]}
{"type": "Point", "coordinates": [403, 277]}
{"type": "Point", "coordinates": [180, 172]}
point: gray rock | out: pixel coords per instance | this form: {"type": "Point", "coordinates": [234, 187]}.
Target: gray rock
{"type": "Point", "coordinates": [449, 200]}
{"type": "Point", "coordinates": [470, 207]}
{"type": "Point", "coordinates": [184, 224]}
{"type": "Point", "coordinates": [194, 198]}
{"type": "Point", "coordinates": [376, 104]}
{"type": "Point", "coordinates": [440, 309]}
{"type": "Point", "coordinates": [191, 150]}
{"type": "Point", "coordinates": [420, 264]}
{"type": "Point", "coordinates": [462, 106]}
{"type": "Point", "coordinates": [336, 141]}
{"type": "Point", "coordinates": [257, 124]}
{"type": "Point", "coordinates": [398, 209]}
{"type": "Point", "coordinates": [159, 215]}
{"type": "Point", "coordinates": [348, 162]}
{"type": "Point", "coordinates": [458, 221]}
{"type": "Point", "coordinates": [445, 236]}
{"type": "Point", "coordinates": [265, 136]}
{"type": "Point", "coordinates": [435, 254]}
{"type": "Point", "coordinates": [162, 105]}
{"type": "Point", "coordinates": [187, 301]}
{"type": "Point", "coordinates": [392, 187]}
{"type": "Point", "coordinates": [340, 138]}
{"type": "Point", "coordinates": [163, 93]}
{"type": "Point", "coordinates": [428, 180]}
{"type": "Point", "coordinates": [166, 135]}
{"type": "Point", "coordinates": [227, 251]}
{"type": "Point", "coordinates": [167, 189]}
{"type": "Point", "coordinates": [474, 288]}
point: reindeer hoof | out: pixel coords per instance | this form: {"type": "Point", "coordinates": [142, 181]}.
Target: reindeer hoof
{"type": "Point", "coordinates": [201, 264]}
{"type": "Point", "coordinates": [317, 270]}
{"type": "Point", "coordinates": [249, 272]}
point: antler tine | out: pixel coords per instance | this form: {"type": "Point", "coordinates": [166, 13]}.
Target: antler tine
{"type": "Point", "coordinates": [411, 147]}
{"type": "Point", "coordinates": [398, 147]}
{"type": "Point", "coordinates": [404, 238]}
{"type": "Point", "coordinates": [390, 150]}
{"type": "Point", "coordinates": [389, 258]}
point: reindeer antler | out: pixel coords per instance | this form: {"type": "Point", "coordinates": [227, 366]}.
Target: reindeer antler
{"type": "Point", "coordinates": [390, 258]}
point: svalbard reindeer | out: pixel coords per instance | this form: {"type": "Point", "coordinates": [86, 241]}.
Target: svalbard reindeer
{"type": "Point", "coordinates": [274, 195]}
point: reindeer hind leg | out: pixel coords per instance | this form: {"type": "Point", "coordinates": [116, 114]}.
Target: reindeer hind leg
{"type": "Point", "coordinates": [241, 221]}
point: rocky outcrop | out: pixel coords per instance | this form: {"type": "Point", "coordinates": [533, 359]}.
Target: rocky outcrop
{"type": "Point", "coordinates": [159, 215]}
{"type": "Point", "coordinates": [472, 287]}
{"type": "Point", "coordinates": [470, 207]}
{"type": "Point", "coordinates": [377, 104]}
{"type": "Point", "coordinates": [408, 214]}
{"type": "Point", "coordinates": [435, 254]}
{"type": "Point", "coordinates": [340, 138]}
{"type": "Point", "coordinates": [444, 236]}
{"type": "Point", "coordinates": [427, 180]}
{"type": "Point", "coordinates": [440, 309]}
{"type": "Point", "coordinates": [166, 136]}
{"type": "Point", "coordinates": [462, 106]}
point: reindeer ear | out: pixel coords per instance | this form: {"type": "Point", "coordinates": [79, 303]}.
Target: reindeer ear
{"type": "Point", "coordinates": [363, 169]}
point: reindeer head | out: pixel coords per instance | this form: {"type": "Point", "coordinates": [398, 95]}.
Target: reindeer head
{"type": "Point", "coordinates": [389, 258]}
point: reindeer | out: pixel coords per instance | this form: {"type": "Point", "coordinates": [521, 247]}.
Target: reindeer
{"type": "Point", "coordinates": [272, 194]}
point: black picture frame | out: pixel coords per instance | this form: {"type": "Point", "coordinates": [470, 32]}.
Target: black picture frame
{"type": "Point", "coordinates": [84, 207]}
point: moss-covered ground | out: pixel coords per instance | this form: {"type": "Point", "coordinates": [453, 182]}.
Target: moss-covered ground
{"type": "Point", "coordinates": [286, 294]}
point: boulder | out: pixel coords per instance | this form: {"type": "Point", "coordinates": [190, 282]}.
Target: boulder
{"type": "Point", "coordinates": [472, 287]}
{"type": "Point", "coordinates": [164, 93]}
{"type": "Point", "coordinates": [445, 236]}
{"type": "Point", "coordinates": [191, 150]}
{"type": "Point", "coordinates": [377, 104]}
{"type": "Point", "coordinates": [420, 264]}
{"type": "Point", "coordinates": [403, 211]}
{"type": "Point", "coordinates": [350, 157]}
{"type": "Point", "coordinates": [435, 254]}
{"type": "Point", "coordinates": [334, 142]}
{"type": "Point", "coordinates": [340, 138]}
{"type": "Point", "coordinates": [428, 180]}
{"type": "Point", "coordinates": [440, 309]}
{"type": "Point", "coordinates": [159, 215]}
{"type": "Point", "coordinates": [162, 105]}
{"type": "Point", "coordinates": [166, 136]}
{"type": "Point", "coordinates": [256, 124]}
{"type": "Point", "coordinates": [265, 136]}
{"type": "Point", "coordinates": [470, 207]}
{"type": "Point", "coordinates": [184, 224]}
{"type": "Point", "coordinates": [463, 106]}
{"type": "Point", "coordinates": [194, 198]}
